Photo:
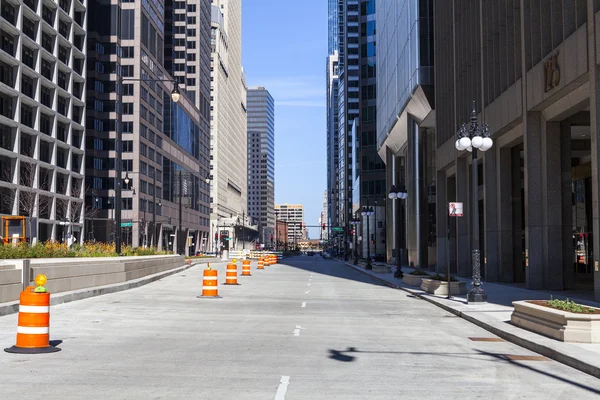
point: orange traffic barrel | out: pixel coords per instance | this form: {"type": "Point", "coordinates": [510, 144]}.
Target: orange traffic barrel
{"type": "Point", "coordinates": [267, 261]}
{"type": "Point", "coordinates": [261, 264]}
{"type": "Point", "coordinates": [210, 284]}
{"type": "Point", "coordinates": [231, 275]}
{"type": "Point", "coordinates": [246, 268]}
{"type": "Point", "coordinates": [275, 260]}
{"type": "Point", "coordinates": [33, 328]}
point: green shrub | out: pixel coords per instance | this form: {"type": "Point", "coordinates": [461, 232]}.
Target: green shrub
{"type": "Point", "coordinates": [418, 272]}
{"type": "Point", "coordinates": [59, 250]}
{"type": "Point", "coordinates": [439, 277]}
{"type": "Point", "coordinates": [570, 306]}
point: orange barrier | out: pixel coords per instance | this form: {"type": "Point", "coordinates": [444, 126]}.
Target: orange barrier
{"type": "Point", "coordinates": [210, 283]}
{"type": "Point", "coordinates": [261, 264]}
{"type": "Point", "coordinates": [246, 268]}
{"type": "Point", "coordinates": [231, 275]}
{"type": "Point", "coordinates": [33, 330]}
{"type": "Point", "coordinates": [267, 261]}
{"type": "Point", "coordinates": [275, 260]}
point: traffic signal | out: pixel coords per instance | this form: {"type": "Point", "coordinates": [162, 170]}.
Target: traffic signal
{"type": "Point", "coordinates": [323, 226]}
{"type": "Point", "coordinates": [352, 232]}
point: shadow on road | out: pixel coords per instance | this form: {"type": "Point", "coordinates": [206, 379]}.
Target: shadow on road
{"type": "Point", "coordinates": [329, 267]}
{"type": "Point", "coordinates": [345, 356]}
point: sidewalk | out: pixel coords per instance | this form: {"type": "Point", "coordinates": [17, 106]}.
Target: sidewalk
{"type": "Point", "coordinates": [495, 317]}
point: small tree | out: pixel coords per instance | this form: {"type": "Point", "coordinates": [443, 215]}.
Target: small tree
{"type": "Point", "coordinates": [68, 208]}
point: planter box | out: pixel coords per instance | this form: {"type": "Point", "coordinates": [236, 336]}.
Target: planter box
{"type": "Point", "coordinates": [557, 324]}
{"type": "Point", "coordinates": [381, 269]}
{"type": "Point", "coordinates": [441, 287]}
{"type": "Point", "coordinates": [412, 280]}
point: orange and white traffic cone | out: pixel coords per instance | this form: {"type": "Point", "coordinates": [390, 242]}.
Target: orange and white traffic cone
{"type": "Point", "coordinates": [261, 264]}
{"type": "Point", "coordinates": [210, 288]}
{"type": "Point", "coordinates": [33, 329]}
{"type": "Point", "coordinates": [231, 275]}
{"type": "Point", "coordinates": [246, 268]}
{"type": "Point", "coordinates": [275, 260]}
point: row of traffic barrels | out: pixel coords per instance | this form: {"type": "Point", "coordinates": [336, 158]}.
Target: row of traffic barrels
{"type": "Point", "coordinates": [210, 284]}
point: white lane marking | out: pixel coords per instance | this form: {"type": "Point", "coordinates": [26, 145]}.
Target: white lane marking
{"type": "Point", "coordinates": [309, 284]}
{"type": "Point", "coordinates": [297, 330]}
{"type": "Point", "coordinates": [282, 389]}
{"type": "Point", "coordinates": [308, 291]}
{"type": "Point", "coordinates": [303, 304]}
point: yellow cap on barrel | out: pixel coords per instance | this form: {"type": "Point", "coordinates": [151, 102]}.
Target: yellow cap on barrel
{"type": "Point", "coordinates": [41, 280]}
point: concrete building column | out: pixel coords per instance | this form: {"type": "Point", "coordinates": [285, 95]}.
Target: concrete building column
{"type": "Point", "coordinates": [505, 224]}
{"type": "Point", "coordinates": [463, 236]}
{"type": "Point", "coordinates": [441, 222]}
{"type": "Point", "coordinates": [534, 238]}
{"type": "Point", "coordinates": [594, 79]}
{"type": "Point", "coordinates": [417, 196]}
{"type": "Point", "coordinates": [553, 158]}
{"type": "Point", "coordinates": [491, 258]}
{"type": "Point", "coordinates": [567, 205]}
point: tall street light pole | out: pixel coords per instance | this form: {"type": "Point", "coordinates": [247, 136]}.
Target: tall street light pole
{"type": "Point", "coordinates": [367, 212]}
{"type": "Point", "coordinates": [181, 248]}
{"type": "Point", "coordinates": [154, 237]}
{"type": "Point", "coordinates": [375, 232]}
{"type": "Point", "coordinates": [399, 194]}
{"type": "Point", "coordinates": [175, 94]}
{"type": "Point", "coordinates": [471, 138]}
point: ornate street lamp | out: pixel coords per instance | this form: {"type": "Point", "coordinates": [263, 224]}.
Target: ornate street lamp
{"type": "Point", "coordinates": [472, 137]}
{"type": "Point", "coordinates": [367, 212]}
{"type": "Point", "coordinates": [399, 194]}
{"type": "Point", "coordinates": [355, 222]}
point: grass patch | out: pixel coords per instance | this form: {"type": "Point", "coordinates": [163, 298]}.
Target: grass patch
{"type": "Point", "coordinates": [570, 306]}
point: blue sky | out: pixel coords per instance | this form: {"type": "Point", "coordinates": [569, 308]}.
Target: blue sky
{"type": "Point", "coordinates": [284, 45]}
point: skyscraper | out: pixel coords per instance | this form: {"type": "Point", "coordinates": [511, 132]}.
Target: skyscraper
{"type": "Point", "coordinates": [165, 145]}
{"type": "Point", "coordinates": [228, 120]}
{"type": "Point", "coordinates": [332, 139]}
{"type": "Point", "coordinates": [42, 115]}
{"type": "Point", "coordinates": [261, 161]}
{"type": "Point", "coordinates": [332, 26]}
{"type": "Point", "coordinates": [348, 105]}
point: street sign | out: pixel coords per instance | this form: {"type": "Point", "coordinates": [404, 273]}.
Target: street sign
{"type": "Point", "coordinates": [455, 209]}
{"type": "Point", "coordinates": [337, 229]}
{"type": "Point", "coordinates": [126, 224]}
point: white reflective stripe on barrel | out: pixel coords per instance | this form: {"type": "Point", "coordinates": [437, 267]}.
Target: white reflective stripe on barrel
{"type": "Point", "coordinates": [33, 330]}
{"type": "Point", "coordinates": [210, 288]}
{"type": "Point", "coordinates": [34, 309]}
{"type": "Point", "coordinates": [210, 278]}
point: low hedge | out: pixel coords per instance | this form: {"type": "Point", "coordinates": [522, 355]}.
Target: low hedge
{"type": "Point", "coordinates": [61, 250]}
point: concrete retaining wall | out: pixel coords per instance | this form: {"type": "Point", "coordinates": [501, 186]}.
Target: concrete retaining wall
{"type": "Point", "coordinates": [72, 274]}
{"type": "Point", "coordinates": [10, 283]}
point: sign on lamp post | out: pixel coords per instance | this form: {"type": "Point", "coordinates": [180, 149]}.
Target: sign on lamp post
{"type": "Point", "coordinates": [455, 209]}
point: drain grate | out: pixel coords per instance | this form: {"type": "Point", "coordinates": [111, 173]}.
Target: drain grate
{"type": "Point", "coordinates": [513, 357]}
{"type": "Point", "coordinates": [486, 339]}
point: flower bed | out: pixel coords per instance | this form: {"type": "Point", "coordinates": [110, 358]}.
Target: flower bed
{"type": "Point", "coordinates": [540, 317]}
{"type": "Point", "coordinates": [61, 250]}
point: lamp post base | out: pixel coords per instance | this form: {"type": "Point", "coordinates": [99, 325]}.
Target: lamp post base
{"type": "Point", "coordinates": [477, 295]}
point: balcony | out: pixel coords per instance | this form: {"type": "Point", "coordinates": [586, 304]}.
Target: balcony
{"type": "Point", "coordinates": [48, 42]}
{"type": "Point", "coordinates": [29, 28]}
{"type": "Point", "coordinates": [7, 106]}
{"type": "Point", "coordinates": [64, 28]}
{"type": "Point", "coordinates": [48, 69]}
{"type": "Point", "coordinates": [7, 138]}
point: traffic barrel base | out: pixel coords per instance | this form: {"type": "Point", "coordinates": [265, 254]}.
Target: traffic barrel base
{"type": "Point", "coordinates": [26, 350]}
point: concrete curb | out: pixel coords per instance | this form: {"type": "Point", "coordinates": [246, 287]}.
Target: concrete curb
{"type": "Point", "coordinates": [66, 297]}
{"type": "Point", "coordinates": [497, 329]}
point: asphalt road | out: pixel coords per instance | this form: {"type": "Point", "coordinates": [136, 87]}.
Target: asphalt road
{"type": "Point", "coordinates": [307, 329]}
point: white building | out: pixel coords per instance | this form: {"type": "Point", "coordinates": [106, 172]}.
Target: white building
{"type": "Point", "coordinates": [293, 214]}
{"type": "Point", "coordinates": [42, 115]}
{"type": "Point", "coordinates": [228, 115]}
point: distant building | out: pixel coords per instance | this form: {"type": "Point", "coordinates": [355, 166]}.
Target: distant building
{"type": "Point", "coordinates": [261, 161]}
{"type": "Point", "coordinates": [281, 234]}
{"type": "Point", "coordinates": [293, 214]}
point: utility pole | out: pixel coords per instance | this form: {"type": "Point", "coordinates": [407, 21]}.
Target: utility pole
{"type": "Point", "coordinates": [154, 236]}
